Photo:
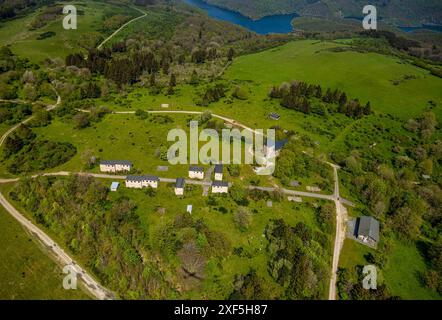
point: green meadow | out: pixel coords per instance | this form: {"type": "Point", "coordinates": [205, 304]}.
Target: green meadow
{"type": "Point", "coordinates": [25, 271]}
{"type": "Point", "coordinates": [366, 76]}
{"type": "Point", "coordinates": [91, 14]}
{"type": "Point", "coordinates": [402, 273]}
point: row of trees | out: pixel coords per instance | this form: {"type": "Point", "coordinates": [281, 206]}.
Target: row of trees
{"type": "Point", "coordinates": [298, 96]}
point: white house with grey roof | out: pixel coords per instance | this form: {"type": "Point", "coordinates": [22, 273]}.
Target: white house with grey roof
{"type": "Point", "coordinates": [219, 172]}
{"type": "Point", "coordinates": [115, 166]}
{"type": "Point", "coordinates": [179, 186]}
{"type": "Point", "coordinates": [220, 187]}
{"type": "Point", "coordinates": [196, 172]}
{"type": "Point", "coordinates": [140, 182]}
{"type": "Point", "coordinates": [367, 230]}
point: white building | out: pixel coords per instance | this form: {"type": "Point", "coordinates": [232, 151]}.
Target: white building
{"type": "Point", "coordinates": [219, 172]}
{"type": "Point", "coordinates": [114, 186]}
{"type": "Point", "coordinates": [220, 187]}
{"type": "Point", "coordinates": [196, 172]}
{"type": "Point", "coordinates": [115, 166]}
{"type": "Point", "coordinates": [140, 182]}
{"type": "Point", "coordinates": [179, 186]}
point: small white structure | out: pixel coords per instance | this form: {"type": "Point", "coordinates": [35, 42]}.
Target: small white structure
{"type": "Point", "coordinates": [189, 208]}
{"type": "Point", "coordinates": [294, 199]}
{"type": "Point", "coordinates": [114, 186]}
{"type": "Point", "coordinates": [313, 189]}
{"type": "Point", "coordinates": [179, 186]}
{"type": "Point", "coordinates": [196, 172]}
{"type": "Point", "coordinates": [115, 166]}
{"type": "Point", "coordinates": [164, 105]}
{"type": "Point", "coordinates": [139, 182]}
{"type": "Point", "coordinates": [220, 187]}
{"type": "Point", "coordinates": [219, 172]}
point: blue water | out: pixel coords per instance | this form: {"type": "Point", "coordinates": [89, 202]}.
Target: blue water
{"type": "Point", "coordinates": [266, 25]}
{"type": "Point", "coordinates": [437, 28]}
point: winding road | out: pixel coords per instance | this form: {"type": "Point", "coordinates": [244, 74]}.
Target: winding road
{"type": "Point", "coordinates": [93, 286]}
{"type": "Point", "coordinates": [102, 293]}
{"type": "Point", "coordinates": [122, 27]}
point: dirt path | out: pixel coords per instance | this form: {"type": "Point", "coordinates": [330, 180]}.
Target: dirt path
{"type": "Point", "coordinates": [122, 27]}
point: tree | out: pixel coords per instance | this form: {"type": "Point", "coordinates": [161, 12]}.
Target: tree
{"type": "Point", "coordinates": [152, 80]}
{"type": "Point", "coordinates": [243, 218]}
{"type": "Point", "coordinates": [230, 54]}
{"type": "Point", "coordinates": [193, 262]}
{"type": "Point", "coordinates": [172, 81]}
{"type": "Point", "coordinates": [238, 194]}
{"type": "Point", "coordinates": [81, 120]}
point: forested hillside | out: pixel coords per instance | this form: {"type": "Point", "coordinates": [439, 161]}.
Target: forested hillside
{"type": "Point", "coordinates": [394, 11]}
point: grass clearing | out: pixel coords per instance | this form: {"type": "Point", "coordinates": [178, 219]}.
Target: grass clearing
{"type": "Point", "coordinates": [25, 271]}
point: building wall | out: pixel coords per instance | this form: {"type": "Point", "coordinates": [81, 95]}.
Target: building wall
{"type": "Point", "coordinates": [220, 189]}
{"type": "Point", "coordinates": [179, 191]}
{"type": "Point", "coordinates": [196, 175]}
{"type": "Point", "coordinates": [114, 168]}
{"type": "Point", "coordinates": [120, 167]}
{"type": "Point", "coordinates": [107, 168]}
{"type": "Point", "coordinates": [134, 184]}
{"type": "Point", "coordinates": [141, 184]}
{"type": "Point", "coordinates": [153, 184]}
{"type": "Point", "coordinates": [218, 176]}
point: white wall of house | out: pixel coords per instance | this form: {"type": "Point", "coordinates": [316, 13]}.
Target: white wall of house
{"type": "Point", "coordinates": [107, 168]}
{"type": "Point", "coordinates": [141, 184]}
{"type": "Point", "coordinates": [218, 176]}
{"type": "Point", "coordinates": [179, 191]}
{"type": "Point", "coordinates": [122, 167]}
{"type": "Point", "coordinates": [150, 183]}
{"type": "Point", "coordinates": [134, 184]}
{"type": "Point", "coordinates": [114, 168]}
{"type": "Point", "coordinates": [216, 189]}
{"type": "Point", "coordinates": [196, 175]}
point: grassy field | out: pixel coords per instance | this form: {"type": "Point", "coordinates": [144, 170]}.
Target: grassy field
{"type": "Point", "coordinates": [24, 42]}
{"type": "Point", "coordinates": [25, 271]}
{"type": "Point", "coordinates": [403, 271]}
{"type": "Point", "coordinates": [367, 76]}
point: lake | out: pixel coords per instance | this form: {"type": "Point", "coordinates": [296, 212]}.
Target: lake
{"type": "Point", "coordinates": [271, 24]}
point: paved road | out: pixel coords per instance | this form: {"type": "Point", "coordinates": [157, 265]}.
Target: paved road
{"type": "Point", "coordinates": [48, 108]}
{"type": "Point", "coordinates": [91, 285]}
{"type": "Point", "coordinates": [122, 27]}
{"type": "Point", "coordinates": [341, 212]}
{"type": "Point", "coordinates": [341, 217]}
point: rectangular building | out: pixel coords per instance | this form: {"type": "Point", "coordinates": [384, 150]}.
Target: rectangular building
{"type": "Point", "coordinates": [220, 187]}
{"type": "Point", "coordinates": [140, 182]}
{"type": "Point", "coordinates": [218, 172]}
{"type": "Point", "coordinates": [179, 186]}
{"type": "Point", "coordinates": [115, 166]}
{"type": "Point", "coordinates": [196, 172]}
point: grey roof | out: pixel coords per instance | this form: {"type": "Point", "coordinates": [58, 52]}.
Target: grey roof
{"type": "Point", "coordinates": [196, 169]}
{"type": "Point", "coordinates": [114, 162]}
{"type": "Point", "coordinates": [218, 168]}
{"type": "Point", "coordinates": [220, 184]}
{"type": "Point", "coordinates": [274, 115]}
{"type": "Point", "coordinates": [142, 178]}
{"type": "Point", "coordinates": [368, 227]}
{"type": "Point", "coordinates": [180, 183]}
